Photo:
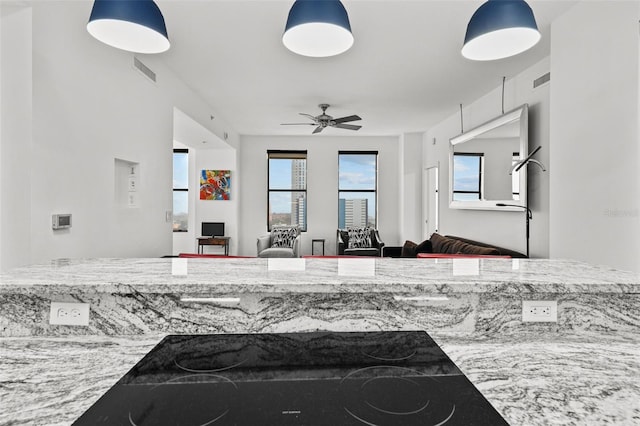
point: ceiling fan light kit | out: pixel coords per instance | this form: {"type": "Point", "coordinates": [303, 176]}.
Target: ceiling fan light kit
{"type": "Point", "coordinates": [131, 25]}
{"type": "Point", "coordinates": [500, 29]}
{"type": "Point", "coordinates": [318, 28]}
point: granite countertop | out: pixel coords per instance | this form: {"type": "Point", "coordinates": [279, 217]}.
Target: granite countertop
{"type": "Point", "coordinates": [344, 275]}
{"type": "Point", "coordinates": [585, 372]}
{"type": "Point", "coordinates": [561, 380]}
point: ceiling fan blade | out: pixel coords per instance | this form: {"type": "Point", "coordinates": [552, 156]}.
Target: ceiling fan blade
{"type": "Point", "coordinates": [308, 115]}
{"type": "Point", "coordinates": [347, 126]}
{"type": "Point", "coordinates": [345, 119]}
{"type": "Point", "coordinates": [297, 124]}
{"type": "Point", "coordinates": [317, 130]}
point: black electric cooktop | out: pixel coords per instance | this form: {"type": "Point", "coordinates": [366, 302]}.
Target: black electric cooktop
{"type": "Point", "coordinates": [323, 378]}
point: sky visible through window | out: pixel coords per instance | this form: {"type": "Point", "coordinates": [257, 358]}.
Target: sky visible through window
{"type": "Point", "coordinates": [280, 178]}
{"type": "Point", "coordinates": [358, 172]}
{"type": "Point", "coordinates": [180, 180]}
{"type": "Point", "coordinates": [280, 173]}
{"type": "Point", "coordinates": [466, 176]}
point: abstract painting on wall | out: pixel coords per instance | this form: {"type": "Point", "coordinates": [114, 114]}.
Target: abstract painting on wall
{"type": "Point", "coordinates": [215, 185]}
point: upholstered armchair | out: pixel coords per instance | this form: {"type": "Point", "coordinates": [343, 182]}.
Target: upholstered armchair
{"type": "Point", "coordinates": [282, 241]}
{"type": "Point", "coordinates": [365, 242]}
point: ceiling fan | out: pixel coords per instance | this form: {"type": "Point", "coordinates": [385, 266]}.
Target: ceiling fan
{"type": "Point", "coordinates": [323, 120]}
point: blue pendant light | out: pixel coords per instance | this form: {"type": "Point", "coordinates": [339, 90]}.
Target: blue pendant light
{"type": "Point", "coordinates": [318, 28]}
{"type": "Point", "coordinates": [133, 25]}
{"type": "Point", "coordinates": [499, 29]}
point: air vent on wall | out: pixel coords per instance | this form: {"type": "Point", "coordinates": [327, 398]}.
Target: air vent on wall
{"type": "Point", "coordinates": [541, 80]}
{"type": "Point", "coordinates": [144, 69]}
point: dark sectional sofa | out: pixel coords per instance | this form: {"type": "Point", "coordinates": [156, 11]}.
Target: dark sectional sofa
{"type": "Point", "coordinates": [449, 244]}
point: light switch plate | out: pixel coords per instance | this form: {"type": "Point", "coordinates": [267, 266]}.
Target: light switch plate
{"type": "Point", "coordinates": [65, 313]}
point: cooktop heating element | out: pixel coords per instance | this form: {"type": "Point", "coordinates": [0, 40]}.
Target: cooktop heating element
{"type": "Point", "coordinates": [322, 378]}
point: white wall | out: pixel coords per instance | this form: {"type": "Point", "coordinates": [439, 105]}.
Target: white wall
{"type": "Point", "coordinates": [322, 186]}
{"type": "Point", "coordinates": [15, 135]}
{"type": "Point", "coordinates": [218, 210]}
{"type": "Point", "coordinates": [90, 106]}
{"type": "Point", "coordinates": [410, 189]}
{"type": "Point", "coordinates": [595, 156]}
{"type": "Point", "coordinates": [506, 229]}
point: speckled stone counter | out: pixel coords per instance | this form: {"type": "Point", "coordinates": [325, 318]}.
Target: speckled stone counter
{"type": "Point", "coordinates": [317, 275]}
{"type": "Point", "coordinates": [146, 296]}
{"type": "Point", "coordinates": [581, 370]}
{"type": "Point", "coordinates": [530, 381]}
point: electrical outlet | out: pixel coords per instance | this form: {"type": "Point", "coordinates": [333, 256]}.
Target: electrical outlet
{"type": "Point", "coordinates": [539, 311]}
{"type": "Point", "coordinates": [63, 313]}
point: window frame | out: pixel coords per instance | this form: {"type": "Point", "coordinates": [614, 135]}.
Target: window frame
{"type": "Point", "coordinates": [515, 177]}
{"type": "Point", "coordinates": [283, 155]}
{"type": "Point", "coordinates": [182, 151]}
{"type": "Point", "coordinates": [374, 191]}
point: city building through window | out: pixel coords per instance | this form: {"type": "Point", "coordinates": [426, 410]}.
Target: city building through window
{"type": "Point", "coordinates": [287, 189]}
{"type": "Point", "coordinates": [357, 189]}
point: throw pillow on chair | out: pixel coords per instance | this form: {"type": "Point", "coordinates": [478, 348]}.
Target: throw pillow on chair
{"type": "Point", "coordinates": [284, 236]}
{"type": "Point", "coordinates": [359, 238]}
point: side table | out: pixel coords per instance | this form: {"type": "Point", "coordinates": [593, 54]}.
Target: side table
{"type": "Point", "coordinates": [314, 241]}
{"type": "Point", "coordinates": [213, 241]}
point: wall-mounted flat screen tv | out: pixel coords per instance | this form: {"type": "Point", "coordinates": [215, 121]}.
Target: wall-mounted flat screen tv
{"type": "Point", "coordinates": [213, 229]}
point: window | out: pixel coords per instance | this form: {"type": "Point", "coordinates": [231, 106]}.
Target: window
{"type": "Point", "coordinates": [467, 172]}
{"type": "Point", "coordinates": [180, 190]}
{"type": "Point", "coordinates": [357, 189]}
{"type": "Point", "coordinates": [515, 177]}
{"type": "Point", "coordinates": [287, 189]}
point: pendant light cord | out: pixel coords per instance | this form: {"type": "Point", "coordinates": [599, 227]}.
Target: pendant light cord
{"type": "Point", "coordinates": [461, 122]}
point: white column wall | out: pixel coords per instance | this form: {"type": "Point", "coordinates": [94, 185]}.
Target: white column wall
{"type": "Point", "coordinates": [595, 158]}
{"type": "Point", "coordinates": [410, 189]}
{"type": "Point", "coordinates": [15, 135]}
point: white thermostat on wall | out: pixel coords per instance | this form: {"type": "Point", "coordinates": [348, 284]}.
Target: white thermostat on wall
{"type": "Point", "coordinates": [61, 221]}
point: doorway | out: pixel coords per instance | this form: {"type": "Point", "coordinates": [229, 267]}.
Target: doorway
{"type": "Point", "coordinates": [430, 205]}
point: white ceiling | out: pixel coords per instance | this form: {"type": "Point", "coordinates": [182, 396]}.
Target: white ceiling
{"type": "Point", "coordinates": [403, 74]}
